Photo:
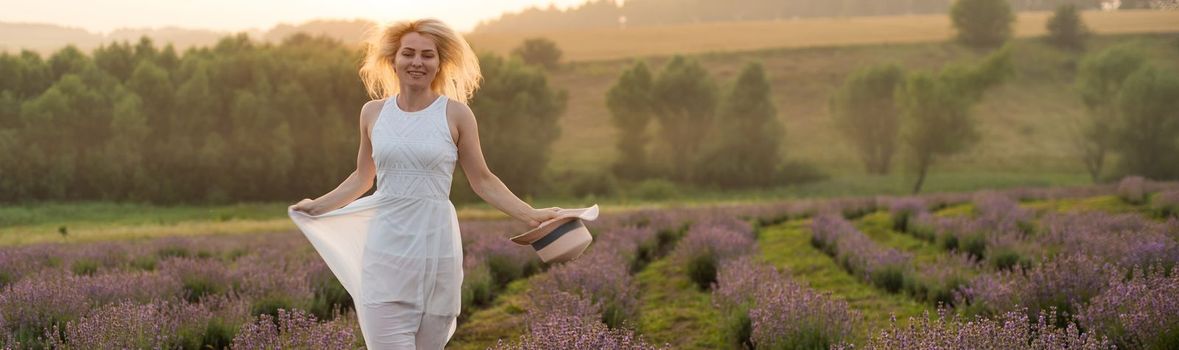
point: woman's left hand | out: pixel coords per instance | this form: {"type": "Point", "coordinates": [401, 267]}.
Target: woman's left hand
{"type": "Point", "coordinates": [537, 216]}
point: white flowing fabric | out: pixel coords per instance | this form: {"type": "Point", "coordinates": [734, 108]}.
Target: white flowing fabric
{"type": "Point", "coordinates": [398, 252]}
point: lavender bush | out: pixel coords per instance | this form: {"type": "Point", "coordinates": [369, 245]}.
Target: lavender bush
{"type": "Point", "coordinates": [127, 324]}
{"type": "Point", "coordinates": [1060, 283]}
{"type": "Point", "coordinates": [707, 244]}
{"type": "Point", "coordinates": [556, 330]}
{"type": "Point", "coordinates": [858, 254]}
{"type": "Point", "coordinates": [904, 211]}
{"type": "Point", "coordinates": [1010, 330]}
{"type": "Point", "coordinates": [999, 214]}
{"type": "Point", "coordinates": [789, 316]}
{"type": "Point", "coordinates": [1132, 189]}
{"type": "Point", "coordinates": [763, 309]}
{"type": "Point", "coordinates": [1166, 204]}
{"type": "Point", "coordinates": [293, 329]}
{"type": "Point", "coordinates": [1139, 312]}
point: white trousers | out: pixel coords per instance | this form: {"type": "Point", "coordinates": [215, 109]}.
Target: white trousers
{"type": "Point", "coordinates": [401, 325]}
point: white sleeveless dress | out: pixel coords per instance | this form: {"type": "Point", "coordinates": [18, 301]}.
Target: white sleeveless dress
{"type": "Point", "coordinates": [398, 251]}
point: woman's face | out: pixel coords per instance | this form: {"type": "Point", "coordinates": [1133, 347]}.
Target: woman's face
{"type": "Point", "coordinates": [416, 62]}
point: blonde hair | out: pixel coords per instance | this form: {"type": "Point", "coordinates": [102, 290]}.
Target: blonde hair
{"type": "Point", "coordinates": [458, 68]}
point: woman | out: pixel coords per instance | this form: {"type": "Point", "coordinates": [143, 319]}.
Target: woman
{"type": "Point", "coordinates": [398, 251]}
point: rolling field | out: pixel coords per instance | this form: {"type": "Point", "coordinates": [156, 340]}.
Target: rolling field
{"type": "Point", "coordinates": [610, 44]}
{"type": "Point", "coordinates": [1026, 124]}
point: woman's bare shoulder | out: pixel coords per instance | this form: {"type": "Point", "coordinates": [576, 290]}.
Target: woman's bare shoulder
{"type": "Point", "coordinates": [370, 110]}
{"type": "Point", "coordinates": [458, 110]}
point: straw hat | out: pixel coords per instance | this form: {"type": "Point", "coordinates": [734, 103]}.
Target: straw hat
{"type": "Point", "coordinates": [562, 238]}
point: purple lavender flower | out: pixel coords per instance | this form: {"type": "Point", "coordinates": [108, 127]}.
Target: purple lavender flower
{"type": "Point", "coordinates": [1132, 189]}
{"type": "Point", "coordinates": [997, 213]}
{"type": "Point", "coordinates": [1061, 283]}
{"type": "Point", "coordinates": [604, 279]}
{"type": "Point", "coordinates": [904, 211]}
{"type": "Point", "coordinates": [1166, 204]}
{"type": "Point", "coordinates": [786, 315]}
{"type": "Point", "coordinates": [126, 324]}
{"type": "Point", "coordinates": [1126, 240]}
{"type": "Point", "coordinates": [555, 331]}
{"type": "Point", "coordinates": [293, 329]}
{"type": "Point", "coordinates": [1141, 311]}
{"type": "Point", "coordinates": [737, 280]}
{"type": "Point", "coordinates": [1010, 330]}
{"type": "Point", "coordinates": [859, 254]}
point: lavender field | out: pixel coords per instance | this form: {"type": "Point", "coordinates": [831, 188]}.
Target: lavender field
{"type": "Point", "coordinates": [1061, 268]}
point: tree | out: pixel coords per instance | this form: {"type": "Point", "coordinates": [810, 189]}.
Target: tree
{"type": "Point", "coordinates": [518, 113]}
{"type": "Point", "coordinates": [68, 60]}
{"type": "Point", "coordinates": [982, 23]}
{"type": "Point", "coordinates": [936, 109]}
{"type": "Point", "coordinates": [685, 98]}
{"type": "Point", "coordinates": [1099, 81]}
{"type": "Point", "coordinates": [746, 149]}
{"type": "Point", "coordinates": [123, 153]}
{"type": "Point", "coordinates": [117, 58]}
{"type": "Point", "coordinates": [540, 52]}
{"type": "Point", "coordinates": [866, 113]}
{"type": "Point", "coordinates": [46, 131]}
{"type": "Point", "coordinates": [629, 101]}
{"type": "Point", "coordinates": [155, 89]}
{"type": "Point", "coordinates": [1065, 29]}
{"type": "Point", "coordinates": [1147, 131]}
{"type": "Point", "coordinates": [25, 75]}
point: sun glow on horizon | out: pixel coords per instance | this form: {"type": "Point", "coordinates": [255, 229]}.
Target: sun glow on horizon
{"type": "Point", "coordinates": [235, 16]}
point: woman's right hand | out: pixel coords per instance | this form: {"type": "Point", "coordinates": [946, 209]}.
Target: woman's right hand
{"type": "Point", "coordinates": [306, 206]}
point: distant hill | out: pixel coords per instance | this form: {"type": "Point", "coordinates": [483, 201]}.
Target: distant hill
{"type": "Point", "coordinates": [592, 44]}
{"type": "Point", "coordinates": [47, 38]}
{"type": "Point", "coordinates": [632, 13]}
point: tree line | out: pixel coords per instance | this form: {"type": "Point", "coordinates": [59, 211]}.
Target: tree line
{"type": "Point", "coordinates": [679, 125]}
{"type": "Point", "coordinates": [237, 121]}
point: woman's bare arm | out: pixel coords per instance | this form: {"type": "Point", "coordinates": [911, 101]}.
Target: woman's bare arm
{"type": "Point", "coordinates": [483, 182]}
{"type": "Point", "coordinates": [361, 179]}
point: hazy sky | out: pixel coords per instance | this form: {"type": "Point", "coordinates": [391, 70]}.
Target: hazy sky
{"type": "Point", "coordinates": [235, 15]}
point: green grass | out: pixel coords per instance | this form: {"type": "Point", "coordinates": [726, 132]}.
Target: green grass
{"type": "Point", "coordinates": [961, 209]}
{"type": "Point", "coordinates": [878, 227]}
{"type": "Point", "coordinates": [41, 222]}
{"type": "Point", "coordinates": [674, 311]}
{"type": "Point", "coordinates": [1108, 203]}
{"type": "Point", "coordinates": [131, 213]}
{"type": "Point", "coordinates": [788, 246]}
{"type": "Point", "coordinates": [505, 319]}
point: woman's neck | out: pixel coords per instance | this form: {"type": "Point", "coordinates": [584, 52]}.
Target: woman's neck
{"type": "Point", "coordinates": [415, 99]}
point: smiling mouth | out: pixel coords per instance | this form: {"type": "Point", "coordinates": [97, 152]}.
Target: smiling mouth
{"type": "Point", "coordinates": [416, 74]}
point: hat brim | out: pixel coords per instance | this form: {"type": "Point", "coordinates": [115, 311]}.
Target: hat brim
{"type": "Point", "coordinates": [563, 216]}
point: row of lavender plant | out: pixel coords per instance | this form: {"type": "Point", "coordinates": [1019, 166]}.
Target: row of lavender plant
{"type": "Point", "coordinates": [1089, 255]}
{"type": "Point", "coordinates": [760, 308]}
{"type": "Point", "coordinates": [1000, 232]}
{"type": "Point", "coordinates": [592, 302]}
{"type": "Point", "coordinates": [1013, 330]}
{"type": "Point", "coordinates": [858, 254]}
{"type": "Point", "coordinates": [192, 292]}
{"type": "Point", "coordinates": [1094, 267]}
{"type": "Point", "coordinates": [992, 234]}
